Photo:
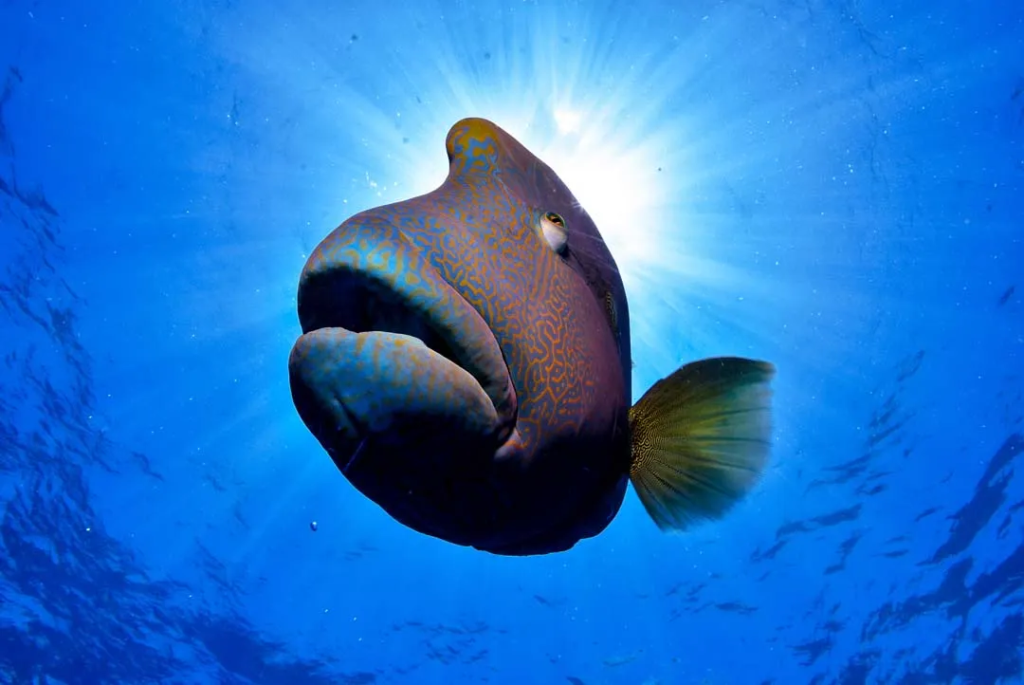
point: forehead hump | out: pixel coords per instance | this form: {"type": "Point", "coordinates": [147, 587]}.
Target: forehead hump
{"type": "Point", "coordinates": [478, 145]}
{"type": "Point", "coordinates": [479, 148]}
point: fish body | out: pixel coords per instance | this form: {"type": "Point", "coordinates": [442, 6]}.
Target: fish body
{"type": "Point", "coordinates": [465, 361]}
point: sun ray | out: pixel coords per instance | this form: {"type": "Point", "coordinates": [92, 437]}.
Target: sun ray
{"type": "Point", "coordinates": [685, 154]}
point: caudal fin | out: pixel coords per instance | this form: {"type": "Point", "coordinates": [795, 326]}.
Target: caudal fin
{"type": "Point", "coordinates": [701, 439]}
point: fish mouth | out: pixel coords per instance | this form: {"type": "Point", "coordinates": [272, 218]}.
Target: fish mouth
{"type": "Point", "coordinates": [391, 349]}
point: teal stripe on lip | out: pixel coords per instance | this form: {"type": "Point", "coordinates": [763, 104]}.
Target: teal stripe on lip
{"type": "Point", "coordinates": [385, 387]}
{"type": "Point", "coordinates": [367, 275]}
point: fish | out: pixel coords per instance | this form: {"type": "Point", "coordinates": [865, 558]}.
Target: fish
{"type": "Point", "coordinates": [465, 361]}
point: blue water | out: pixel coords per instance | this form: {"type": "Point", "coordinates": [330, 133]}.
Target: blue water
{"type": "Point", "coordinates": [837, 187]}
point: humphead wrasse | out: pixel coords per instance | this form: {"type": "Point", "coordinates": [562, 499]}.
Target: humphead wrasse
{"type": "Point", "coordinates": [465, 361]}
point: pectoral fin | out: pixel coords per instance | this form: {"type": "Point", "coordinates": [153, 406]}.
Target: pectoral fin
{"type": "Point", "coordinates": [701, 439]}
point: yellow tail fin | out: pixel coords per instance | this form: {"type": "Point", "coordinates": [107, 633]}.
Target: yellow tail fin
{"type": "Point", "coordinates": [701, 439]}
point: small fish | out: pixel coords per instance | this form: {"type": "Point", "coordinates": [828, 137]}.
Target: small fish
{"type": "Point", "coordinates": [465, 361]}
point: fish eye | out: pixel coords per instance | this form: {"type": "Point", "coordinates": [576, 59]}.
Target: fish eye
{"type": "Point", "coordinates": [552, 228]}
{"type": "Point", "coordinates": [556, 219]}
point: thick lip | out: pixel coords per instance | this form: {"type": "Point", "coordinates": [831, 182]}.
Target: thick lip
{"type": "Point", "coordinates": [367, 276]}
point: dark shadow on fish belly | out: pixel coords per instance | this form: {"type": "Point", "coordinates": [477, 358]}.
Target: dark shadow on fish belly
{"type": "Point", "coordinates": [588, 524]}
{"type": "Point", "coordinates": [470, 506]}
{"type": "Point", "coordinates": [433, 486]}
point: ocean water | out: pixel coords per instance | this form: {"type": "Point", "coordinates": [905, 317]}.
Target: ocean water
{"type": "Point", "coordinates": [836, 187]}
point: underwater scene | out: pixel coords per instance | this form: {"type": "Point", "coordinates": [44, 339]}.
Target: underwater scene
{"type": "Point", "coordinates": [526, 342]}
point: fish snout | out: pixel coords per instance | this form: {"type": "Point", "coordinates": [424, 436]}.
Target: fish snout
{"type": "Point", "coordinates": [367, 276]}
{"type": "Point", "coordinates": [397, 375]}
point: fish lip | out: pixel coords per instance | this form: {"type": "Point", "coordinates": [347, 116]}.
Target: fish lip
{"type": "Point", "coordinates": [350, 282]}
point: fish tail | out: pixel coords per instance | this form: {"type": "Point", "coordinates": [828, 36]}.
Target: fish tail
{"type": "Point", "coordinates": [700, 439]}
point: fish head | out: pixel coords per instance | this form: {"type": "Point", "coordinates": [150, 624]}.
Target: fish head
{"type": "Point", "coordinates": [465, 354]}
